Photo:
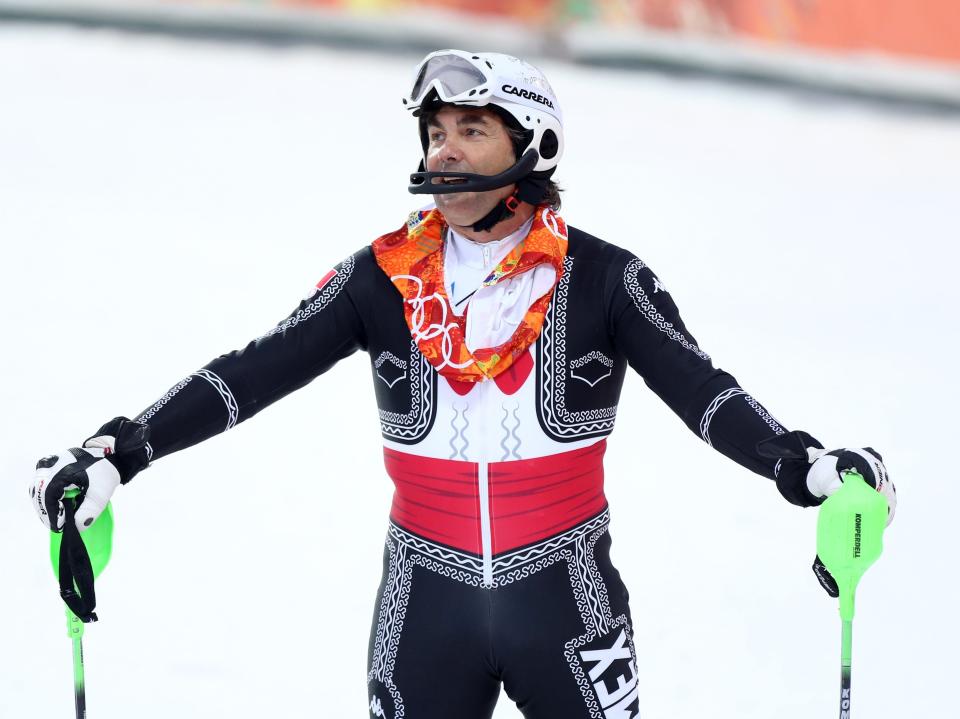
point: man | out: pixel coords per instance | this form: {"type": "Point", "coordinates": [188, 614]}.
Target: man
{"type": "Point", "coordinates": [499, 339]}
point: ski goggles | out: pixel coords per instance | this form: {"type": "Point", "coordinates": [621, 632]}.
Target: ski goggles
{"type": "Point", "coordinates": [456, 76]}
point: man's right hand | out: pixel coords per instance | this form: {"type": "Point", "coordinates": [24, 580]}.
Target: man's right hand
{"type": "Point", "coordinates": [106, 460]}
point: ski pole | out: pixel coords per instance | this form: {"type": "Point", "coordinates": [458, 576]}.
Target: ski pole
{"type": "Point", "coordinates": [75, 632]}
{"type": "Point", "coordinates": [849, 539]}
{"type": "Point", "coordinates": [97, 541]}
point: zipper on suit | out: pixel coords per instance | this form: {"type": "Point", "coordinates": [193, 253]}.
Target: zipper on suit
{"type": "Point", "coordinates": [483, 487]}
{"type": "Point", "coordinates": [483, 478]}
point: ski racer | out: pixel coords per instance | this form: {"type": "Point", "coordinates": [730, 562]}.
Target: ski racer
{"type": "Point", "coordinates": [498, 338]}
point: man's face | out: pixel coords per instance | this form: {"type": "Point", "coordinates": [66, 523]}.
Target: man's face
{"type": "Point", "coordinates": [465, 139]}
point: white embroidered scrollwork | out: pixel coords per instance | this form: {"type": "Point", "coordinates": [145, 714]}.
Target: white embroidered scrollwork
{"type": "Point", "coordinates": [594, 356]}
{"type": "Point", "coordinates": [166, 398]}
{"type": "Point", "coordinates": [507, 567]}
{"type": "Point", "coordinates": [396, 362]}
{"type": "Point", "coordinates": [158, 405]}
{"type": "Point", "coordinates": [391, 357]}
{"type": "Point", "coordinates": [324, 296]}
{"type": "Point", "coordinates": [393, 610]}
{"type": "Point", "coordinates": [728, 394]}
{"type": "Point", "coordinates": [221, 387]}
{"type": "Point", "coordinates": [557, 419]}
{"type": "Point", "coordinates": [642, 302]}
{"type": "Point", "coordinates": [412, 425]}
{"type": "Point", "coordinates": [233, 412]}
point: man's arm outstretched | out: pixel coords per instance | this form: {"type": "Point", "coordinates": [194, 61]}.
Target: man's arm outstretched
{"type": "Point", "coordinates": [324, 328]}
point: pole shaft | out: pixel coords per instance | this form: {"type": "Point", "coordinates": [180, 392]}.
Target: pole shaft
{"type": "Point", "coordinates": [79, 693]}
{"type": "Point", "coordinates": [846, 652]}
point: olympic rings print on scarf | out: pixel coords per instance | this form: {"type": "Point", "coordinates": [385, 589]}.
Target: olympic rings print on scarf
{"type": "Point", "coordinates": [412, 257]}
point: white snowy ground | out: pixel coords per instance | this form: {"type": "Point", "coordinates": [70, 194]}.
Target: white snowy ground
{"type": "Point", "coordinates": [162, 202]}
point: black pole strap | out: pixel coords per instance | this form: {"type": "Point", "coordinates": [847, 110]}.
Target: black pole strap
{"type": "Point", "coordinates": [76, 572]}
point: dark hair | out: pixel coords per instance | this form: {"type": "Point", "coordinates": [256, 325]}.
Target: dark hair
{"type": "Point", "coordinates": [519, 137]}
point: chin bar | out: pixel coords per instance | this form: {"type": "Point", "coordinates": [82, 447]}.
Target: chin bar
{"type": "Point", "coordinates": [422, 183]}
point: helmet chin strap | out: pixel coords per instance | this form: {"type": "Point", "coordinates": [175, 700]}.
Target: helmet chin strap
{"type": "Point", "coordinates": [530, 189]}
{"type": "Point", "coordinates": [424, 183]}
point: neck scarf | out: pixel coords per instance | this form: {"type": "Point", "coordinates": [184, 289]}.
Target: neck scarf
{"type": "Point", "coordinates": [412, 257]}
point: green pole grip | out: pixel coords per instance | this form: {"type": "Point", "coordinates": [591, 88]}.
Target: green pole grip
{"type": "Point", "coordinates": [98, 539]}
{"type": "Point", "coordinates": [850, 535]}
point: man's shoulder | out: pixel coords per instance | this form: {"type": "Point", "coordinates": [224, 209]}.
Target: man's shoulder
{"type": "Point", "coordinates": [358, 274]}
{"type": "Point", "coordinates": [364, 265]}
{"type": "Point", "coordinates": [589, 248]}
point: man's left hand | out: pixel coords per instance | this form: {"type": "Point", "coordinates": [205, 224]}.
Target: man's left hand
{"type": "Point", "coordinates": [825, 477]}
{"type": "Point", "coordinates": [826, 473]}
{"type": "Point", "coordinates": [806, 474]}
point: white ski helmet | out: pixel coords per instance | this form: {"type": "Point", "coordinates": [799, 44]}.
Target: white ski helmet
{"type": "Point", "coordinates": [516, 90]}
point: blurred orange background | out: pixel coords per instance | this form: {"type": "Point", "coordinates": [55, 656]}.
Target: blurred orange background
{"type": "Point", "coordinates": [914, 28]}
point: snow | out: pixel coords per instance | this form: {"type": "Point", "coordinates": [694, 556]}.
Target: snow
{"type": "Point", "coordinates": [162, 202]}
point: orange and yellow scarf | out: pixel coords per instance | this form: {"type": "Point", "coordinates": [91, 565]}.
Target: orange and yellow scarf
{"type": "Point", "coordinates": [412, 257]}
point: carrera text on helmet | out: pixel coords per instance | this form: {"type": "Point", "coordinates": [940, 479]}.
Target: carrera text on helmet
{"type": "Point", "coordinates": [527, 95]}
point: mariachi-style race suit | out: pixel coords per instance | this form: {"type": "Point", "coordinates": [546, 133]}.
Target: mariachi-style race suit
{"type": "Point", "coordinates": [496, 565]}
